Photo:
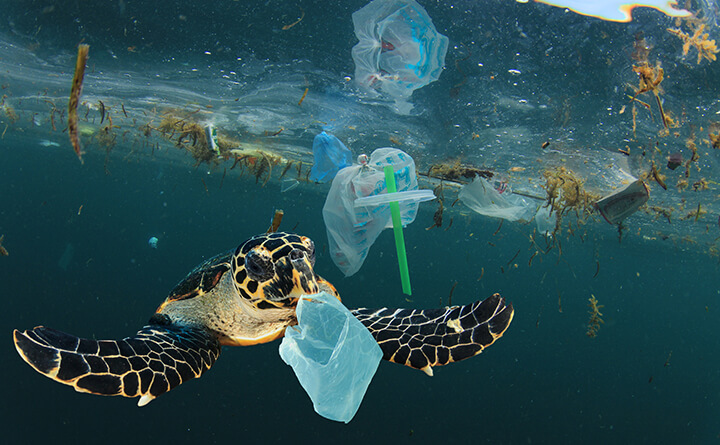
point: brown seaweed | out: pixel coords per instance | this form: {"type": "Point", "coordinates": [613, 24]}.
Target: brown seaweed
{"type": "Point", "coordinates": [75, 92]}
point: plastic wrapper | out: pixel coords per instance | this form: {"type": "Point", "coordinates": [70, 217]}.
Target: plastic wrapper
{"type": "Point", "coordinates": [624, 202]}
{"type": "Point", "coordinates": [332, 354]}
{"type": "Point", "coordinates": [331, 155]}
{"type": "Point", "coordinates": [481, 197]}
{"type": "Point", "coordinates": [353, 230]}
{"type": "Point", "coordinates": [399, 50]}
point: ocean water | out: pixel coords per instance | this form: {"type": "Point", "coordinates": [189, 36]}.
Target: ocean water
{"type": "Point", "coordinates": [77, 234]}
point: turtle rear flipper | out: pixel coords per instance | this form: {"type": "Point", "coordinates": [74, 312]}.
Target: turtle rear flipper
{"type": "Point", "coordinates": [154, 361]}
{"type": "Point", "coordinates": [422, 339]}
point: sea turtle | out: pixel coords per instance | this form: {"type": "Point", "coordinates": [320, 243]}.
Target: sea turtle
{"type": "Point", "coordinates": [246, 297]}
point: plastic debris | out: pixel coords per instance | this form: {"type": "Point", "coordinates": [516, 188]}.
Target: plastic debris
{"type": "Point", "coordinates": [484, 199]}
{"type": "Point", "coordinates": [152, 242]}
{"type": "Point", "coordinates": [399, 50]}
{"type": "Point", "coordinates": [545, 220]}
{"type": "Point", "coordinates": [288, 185]}
{"type": "Point", "coordinates": [212, 138]}
{"type": "Point", "coordinates": [410, 195]}
{"type": "Point", "coordinates": [624, 202]}
{"type": "Point", "coordinates": [332, 354]}
{"type": "Point", "coordinates": [353, 230]}
{"type": "Point", "coordinates": [331, 155]}
{"type": "Point", "coordinates": [674, 161]}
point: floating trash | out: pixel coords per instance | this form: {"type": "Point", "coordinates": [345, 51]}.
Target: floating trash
{"type": "Point", "coordinates": [545, 220]}
{"type": "Point", "coordinates": [486, 200]}
{"type": "Point", "coordinates": [46, 143]}
{"type": "Point", "coordinates": [153, 242]}
{"type": "Point", "coordinates": [332, 354]}
{"type": "Point", "coordinates": [212, 138]}
{"type": "Point", "coordinates": [352, 229]}
{"type": "Point", "coordinates": [674, 161]}
{"type": "Point", "coordinates": [331, 155]}
{"type": "Point", "coordinates": [288, 185]}
{"type": "Point", "coordinates": [623, 203]}
{"type": "Point", "coordinates": [399, 50]}
{"type": "Point", "coordinates": [411, 195]}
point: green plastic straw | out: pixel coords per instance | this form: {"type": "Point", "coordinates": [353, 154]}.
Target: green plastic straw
{"type": "Point", "coordinates": [397, 228]}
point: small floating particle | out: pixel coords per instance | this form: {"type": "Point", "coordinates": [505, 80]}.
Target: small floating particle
{"type": "Point", "coordinates": [3, 251]}
{"type": "Point", "coordinates": [515, 72]}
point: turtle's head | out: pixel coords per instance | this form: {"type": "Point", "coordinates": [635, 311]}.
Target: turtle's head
{"type": "Point", "coordinates": [274, 270]}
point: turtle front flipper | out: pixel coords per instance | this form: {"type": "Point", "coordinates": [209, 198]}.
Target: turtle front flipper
{"type": "Point", "coordinates": [154, 361]}
{"type": "Point", "coordinates": [422, 339]}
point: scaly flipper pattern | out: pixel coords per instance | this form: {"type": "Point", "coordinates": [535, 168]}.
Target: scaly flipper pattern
{"type": "Point", "coordinates": [154, 361]}
{"type": "Point", "coordinates": [422, 339]}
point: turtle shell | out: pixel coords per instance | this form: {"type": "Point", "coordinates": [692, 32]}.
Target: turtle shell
{"type": "Point", "coordinates": [202, 279]}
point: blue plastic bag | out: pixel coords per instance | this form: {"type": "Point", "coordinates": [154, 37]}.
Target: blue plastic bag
{"type": "Point", "coordinates": [333, 355]}
{"type": "Point", "coordinates": [399, 50]}
{"type": "Point", "coordinates": [331, 155]}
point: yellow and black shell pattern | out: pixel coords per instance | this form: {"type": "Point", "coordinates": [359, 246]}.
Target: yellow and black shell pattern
{"type": "Point", "coordinates": [202, 279]}
{"type": "Point", "coordinates": [258, 284]}
{"type": "Point", "coordinates": [274, 270]}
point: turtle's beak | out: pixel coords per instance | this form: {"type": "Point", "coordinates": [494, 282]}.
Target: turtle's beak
{"type": "Point", "coordinates": [303, 275]}
{"type": "Point", "coordinates": [294, 277]}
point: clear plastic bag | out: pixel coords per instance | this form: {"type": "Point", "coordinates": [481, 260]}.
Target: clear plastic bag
{"type": "Point", "coordinates": [481, 197]}
{"type": "Point", "coordinates": [399, 50]}
{"type": "Point", "coordinates": [332, 354]}
{"type": "Point", "coordinates": [545, 220]}
{"type": "Point", "coordinates": [353, 230]}
{"type": "Point", "coordinates": [331, 155]}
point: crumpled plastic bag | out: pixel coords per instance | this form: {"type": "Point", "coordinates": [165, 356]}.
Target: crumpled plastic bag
{"type": "Point", "coordinates": [399, 50]}
{"type": "Point", "coordinates": [331, 155]}
{"type": "Point", "coordinates": [481, 197]}
{"type": "Point", "coordinates": [332, 354]}
{"type": "Point", "coordinates": [352, 231]}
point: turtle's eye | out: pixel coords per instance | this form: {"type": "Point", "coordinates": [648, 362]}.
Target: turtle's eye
{"type": "Point", "coordinates": [310, 250]}
{"type": "Point", "coordinates": [259, 267]}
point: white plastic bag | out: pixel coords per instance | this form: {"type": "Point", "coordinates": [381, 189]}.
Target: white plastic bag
{"type": "Point", "coordinates": [481, 197]}
{"type": "Point", "coordinates": [333, 355]}
{"type": "Point", "coordinates": [399, 50]}
{"type": "Point", "coordinates": [352, 230]}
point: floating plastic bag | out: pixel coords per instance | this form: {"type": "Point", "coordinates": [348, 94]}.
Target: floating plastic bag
{"type": "Point", "coordinates": [331, 155]}
{"type": "Point", "coordinates": [545, 220]}
{"type": "Point", "coordinates": [352, 230]}
{"type": "Point", "coordinates": [481, 197]}
{"type": "Point", "coordinates": [333, 355]}
{"type": "Point", "coordinates": [399, 50]}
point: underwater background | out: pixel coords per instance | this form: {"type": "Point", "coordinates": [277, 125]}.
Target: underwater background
{"type": "Point", "coordinates": [516, 75]}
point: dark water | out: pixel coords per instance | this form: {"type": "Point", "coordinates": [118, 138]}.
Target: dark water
{"type": "Point", "coordinates": [652, 374]}
{"type": "Point", "coordinates": [543, 382]}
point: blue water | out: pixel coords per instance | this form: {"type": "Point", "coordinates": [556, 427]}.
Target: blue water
{"type": "Point", "coordinates": [651, 375]}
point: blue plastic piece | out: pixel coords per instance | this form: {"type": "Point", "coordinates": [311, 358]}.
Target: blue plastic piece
{"type": "Point", "coordinates": [333, 355]}
{"type": "Point", "coordinates": [331, 155]}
